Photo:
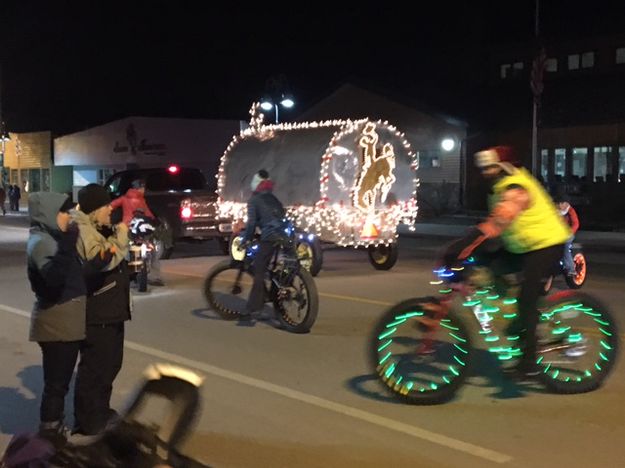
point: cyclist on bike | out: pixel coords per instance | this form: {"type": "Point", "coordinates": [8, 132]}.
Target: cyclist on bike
{"type": "Point", "coordinates": [533, 234]}
{"type": "Point", "coordinates": [570, 216]}
{"type": "Point", "coordinates": [265, 212]}
{"type": "Point", "coordinates": [132, 203]}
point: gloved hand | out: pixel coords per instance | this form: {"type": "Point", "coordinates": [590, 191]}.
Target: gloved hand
{"type": "Point", "coordinates": [67, 242]}
{"type": "Point", "coordinates": [463, 247]}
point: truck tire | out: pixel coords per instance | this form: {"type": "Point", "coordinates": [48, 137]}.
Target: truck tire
{"type": "Point", "coordinates": [383, 257]}
{"type": "Point", "coordinates": [310, 253]}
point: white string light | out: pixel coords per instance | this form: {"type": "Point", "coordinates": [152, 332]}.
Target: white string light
{"type": "Point", "coordinates": [335, 222]}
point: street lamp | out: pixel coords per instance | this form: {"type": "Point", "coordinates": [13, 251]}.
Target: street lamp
{"type": "Point", "coordinates": [268, 103]}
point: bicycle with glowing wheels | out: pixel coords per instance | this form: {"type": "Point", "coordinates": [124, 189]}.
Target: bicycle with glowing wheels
{"type": "Point", "coordinates": [288, 285]}
{"type": "Point", "coordinates": [422, 351]}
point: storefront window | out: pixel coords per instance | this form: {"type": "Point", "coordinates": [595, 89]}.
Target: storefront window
{"type": "Point", "coordinates": [34, 180]}
{"type": "Point", "coordinates": [600, 167]}
{"type": "Point", "coordinates": [544, 164]}
{"type": "Point", "coordinates": [560, 160]}
{"type": "Point", "coordinates": [24, 174]}
{"type": "Point", "coordinates": [621, 163]}
{"type": "Point", "coordinates": [579, 162]}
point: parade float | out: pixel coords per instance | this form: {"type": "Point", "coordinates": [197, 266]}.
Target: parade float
{"type": "Point", "coordinates": [343, 182]}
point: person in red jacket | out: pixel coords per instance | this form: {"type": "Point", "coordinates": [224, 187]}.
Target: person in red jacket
{"type": "Point", "coordinates": [132, 201]}
{"type": "Point", "coordinates": [570, 215]}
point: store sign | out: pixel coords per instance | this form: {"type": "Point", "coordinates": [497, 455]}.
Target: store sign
{"type": "Point", "coordinates": [136, 146]}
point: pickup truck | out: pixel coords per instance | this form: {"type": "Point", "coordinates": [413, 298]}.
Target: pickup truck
{"type": "Point", "coordinates": [181, 200]}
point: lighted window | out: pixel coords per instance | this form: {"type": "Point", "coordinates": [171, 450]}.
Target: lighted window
{"type": "Point", "coordinates": [621, 163]}
{"type": "Point", "coordinates": [518, 65]}
{"type": "Point", "coordinates": [580, 155]}
{"type": "Point", "coordinates": [620, 55]}
{"type": "Point", "coordinates": [601, 168]}
{"type": "Point", "coordinates": [504, 71]}
{"type": "Point", "coordinates": [560, 162]}
{"type": "Point", "coordinates": [429, 158]}
{"type": "Point", "coordinates": [551, 65]}
{"type": "Point", "coordinates": [588, 59]}
{"type": "Point", "coordinates": [544, 164]}
{"type": "Point", "coordinates": [573, 61]}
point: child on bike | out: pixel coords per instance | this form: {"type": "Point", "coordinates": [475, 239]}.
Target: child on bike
{"type": "Point", "coordinates": [570, 215]}
{"type": "Point", "coordinates": [131, 202]}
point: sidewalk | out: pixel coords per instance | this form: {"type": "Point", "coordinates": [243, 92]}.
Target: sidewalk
{"type": "Point", "coordinates": [457, 226]}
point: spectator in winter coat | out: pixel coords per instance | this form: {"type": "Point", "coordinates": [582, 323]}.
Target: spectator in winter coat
{"type": "Point", "coordinates": [3, 197]}
{"type": "Point", "coordinates": [58, 316]}
{"type": "Point", "coordinates": [108, 307]}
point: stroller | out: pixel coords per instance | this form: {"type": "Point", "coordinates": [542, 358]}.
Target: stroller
{"type": "Point", "coordinates": [149, 434]}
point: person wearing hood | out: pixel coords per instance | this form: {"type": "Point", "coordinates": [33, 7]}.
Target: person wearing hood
{"type": "Point", "coordinates": [58, 317]}
{"type": "Point", "coordinates": [265, 212]}
{"type": "Point", "coordinates": [108, 306]}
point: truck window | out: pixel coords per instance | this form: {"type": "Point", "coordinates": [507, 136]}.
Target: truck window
{"type": "Point", "coordinates": [186, 179]}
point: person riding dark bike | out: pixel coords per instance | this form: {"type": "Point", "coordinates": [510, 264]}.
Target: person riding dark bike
{"type": "Point", "coordinates": [533, 234]}
{"type": "Point", "coordinates": [265, 212]}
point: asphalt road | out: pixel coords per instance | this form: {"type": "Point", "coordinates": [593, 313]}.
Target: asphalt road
{"type": "Point", "coordinates": [275, 399]}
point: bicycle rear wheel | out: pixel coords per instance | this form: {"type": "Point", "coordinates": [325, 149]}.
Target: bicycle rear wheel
{"type": "Point", "coordinates": [578, 344]}
{"type": "Point", "coordinates": [224, 294]}
{"type": "Point", "coordinates": [297, 304]}
{"type": "Point", "coordinates": [419, 359]}
{"type": "Point", "coordinates": [578, 278]}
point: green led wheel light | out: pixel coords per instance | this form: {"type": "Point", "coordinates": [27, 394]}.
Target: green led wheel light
{"type": "Point", "coordinates": [391, 356]}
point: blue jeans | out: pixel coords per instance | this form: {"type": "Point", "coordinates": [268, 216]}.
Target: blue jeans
{"type": "Point", "coordinates": [567, 258]}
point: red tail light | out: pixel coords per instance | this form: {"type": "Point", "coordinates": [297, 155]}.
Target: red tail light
{"type": "Point", "coordinates": [186, 212]}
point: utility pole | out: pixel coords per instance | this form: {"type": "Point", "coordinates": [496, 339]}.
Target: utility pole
{"type": "Point", "coordinates": [535, 169]}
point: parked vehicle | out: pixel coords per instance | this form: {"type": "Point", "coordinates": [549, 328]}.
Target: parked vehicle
{"type": "Point", "coordinates": [346, 182]}
{"type": "Point", "coordinates": [289, 287]}
{"type": "Point", "coordinates": [422, 349]}
{"type": "Point", "coordinates": [182, 201]}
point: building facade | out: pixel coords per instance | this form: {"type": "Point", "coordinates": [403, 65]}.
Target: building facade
{"type": "Point", "coordinates": [440, 164]}
{"type": "Point", "coordinates": [93, 155]}
{"type": "Point", "coordinates": [581, 122]}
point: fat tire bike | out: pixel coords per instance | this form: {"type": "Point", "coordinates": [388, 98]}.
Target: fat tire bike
{"type": "Point", "coordinates": [288, 286]}
{"type": "Point", "coordinates": [422, 349]}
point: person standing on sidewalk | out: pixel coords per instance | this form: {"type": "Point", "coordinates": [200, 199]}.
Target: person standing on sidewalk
{"type": "Point", "coordinates": [108, 307]}
{"type": "Point", "coordinates": [58, 317]}
{"type": "Point", "coordinates": [3, 197]}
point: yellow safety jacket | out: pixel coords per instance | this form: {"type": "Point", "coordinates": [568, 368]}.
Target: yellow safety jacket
{"type": "Point", "coordinates": [539, 226]}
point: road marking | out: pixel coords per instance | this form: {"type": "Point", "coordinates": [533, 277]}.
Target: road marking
{"type": "Point", "coordinates": [328, 405]}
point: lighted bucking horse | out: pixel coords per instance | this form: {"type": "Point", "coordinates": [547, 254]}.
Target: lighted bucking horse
{"type": "Point", "coordinates": [346, 182]}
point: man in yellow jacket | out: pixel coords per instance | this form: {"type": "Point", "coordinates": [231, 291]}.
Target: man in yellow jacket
{"type": "Point", "coordinates": [532, 231]}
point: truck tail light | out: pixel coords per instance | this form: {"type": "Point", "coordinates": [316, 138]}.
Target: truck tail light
{"type": "Point", "coordinates": [186, 212]}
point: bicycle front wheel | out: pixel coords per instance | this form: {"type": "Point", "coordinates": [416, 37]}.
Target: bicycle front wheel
{"type": "Point", "coordinates": [577, 344]}
{"type": "Point", "coordinates": [227, 289]}
{"type": "Point", "coordinates": [418, 358]}
{"type": "Point", "coordinates": [296, 304]}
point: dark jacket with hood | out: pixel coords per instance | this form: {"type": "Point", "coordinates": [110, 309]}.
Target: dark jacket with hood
{"type": "Point", "coordinates": [265, 211]}
{"type": "Point", "coordinates": [55, 273]}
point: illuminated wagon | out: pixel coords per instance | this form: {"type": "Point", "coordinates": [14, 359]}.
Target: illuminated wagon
{"type": "Point", "coordinates": [346, 182]}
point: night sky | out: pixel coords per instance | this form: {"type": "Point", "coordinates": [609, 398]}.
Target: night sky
{"type": "Point", "coordinates": [67, 66]}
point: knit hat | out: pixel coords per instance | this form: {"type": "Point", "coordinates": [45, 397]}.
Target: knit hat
{"type": "Point", "coordinates": [258, 178]}
{"type": "Point", "coordinates": [91, 197]}
{"type": "Point", "coordinates": [502, 156]}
